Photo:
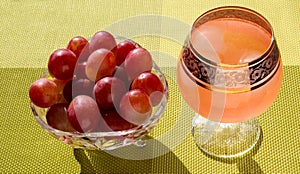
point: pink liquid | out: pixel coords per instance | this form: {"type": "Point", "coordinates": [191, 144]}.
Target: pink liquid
{"type": "Point", "coordinates": [229, 41]}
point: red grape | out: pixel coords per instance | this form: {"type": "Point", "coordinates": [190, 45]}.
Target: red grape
{"type": "Point", "coordinates": [77, 44]}
{"type": "Point", "coordinates": [121, 74]}
{"type": "Point", "coordinates": [43, 93]}
{"type": "Point", "coordinates": [151, 84]}
{"type": "Point", "coordinates": [62, 63]}
{"type": "Point", "coordinates": [57, 117]}
{"type": "Point", "coordinates": [123, 49]}
{"type": "Point", "coordinates": [79, 71]}
{"type": "Point", "coordinates": [67, 91]}
{"type": "Point", "coordinates": [108, 92]}
{"type": "Point", "coordinates": [135, 107]}
{"type": "Point", "coordinates": [103, 39]}
{"type": "Point", "coordinates": [82, 87]}
{"type": "Point", "coordinates": [112, 121]}
{"type": "Point", "coordinates": [78, 87]}
{"type": "Point", "coordinates": [100, 63]}
{"type": "Point", "coordinates": [85, 53]}
{"type": "Point", "coordinates": [83, 113]}
{"type": "Point", "coordinates": [138, 61]}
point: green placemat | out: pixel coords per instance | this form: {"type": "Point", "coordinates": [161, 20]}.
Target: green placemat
{"type": "Point", "coordinates": [25, 147]}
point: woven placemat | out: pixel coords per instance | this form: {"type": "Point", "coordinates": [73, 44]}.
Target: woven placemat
{"type": "Point", "coordinates": [26, 147]}
{"type": "Point", "coordinates": [31, 30]}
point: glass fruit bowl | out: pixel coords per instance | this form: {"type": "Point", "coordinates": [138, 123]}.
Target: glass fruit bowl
{"type": "Point", "coordinates": [108, 139]}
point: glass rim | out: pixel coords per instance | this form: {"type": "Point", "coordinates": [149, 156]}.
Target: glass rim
{"type": "Point", "coordinates": [257, 59]}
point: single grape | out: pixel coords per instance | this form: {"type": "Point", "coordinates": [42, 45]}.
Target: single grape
{"type": "Point", "coordinates": [123, 49]}
{"type": "Point", "coordinates": [121, 74]}
{"type": "Point", "coordinates": [108, 92]}
{"type": "Point", "coordinates": [151, 84]}
{"type": "Point", "coordinates": [83, 113]}
{"type": "Point", "coordinates": [137, 61]}
{"type": "Point", "coordinates": [135, 107]}
{"type": "Point", "coordinates": [78, 87]}
{"type": "Point", "coordinates": [43, 93]}
{"type": "Point", "coordinates": [82, 87]}
{"type": "Point", "coordinates": [84, 55]}
{"type": "Point", "coordinates": [57, 117]}
{"type": "Point", "coordinates": [79, 71]}
{"type": "Point", "coordinates": [103, 39]}
{"type": "Point", "coordinates": [77, 44]}
{"type": "Point", "coordinates": [67, 91]}
{"type": "Point", "coordinates": [112, 121]}
{"type": "Point", "coordinates": [61, 64]}
{"type": "Point", "coordinates": [101, 63]}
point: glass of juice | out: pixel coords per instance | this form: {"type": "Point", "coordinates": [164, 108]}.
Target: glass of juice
{"type": "Point", "coordinates": [229, 72]}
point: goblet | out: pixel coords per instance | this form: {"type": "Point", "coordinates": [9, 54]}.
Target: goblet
{"type": "Point", "coordinates": [229, 72]}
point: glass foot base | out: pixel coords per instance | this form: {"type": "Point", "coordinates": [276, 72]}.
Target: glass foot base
{"type": "Point", "coordinates": [225, 140]}
{"type": "Point", "coordinates": [140, 143]}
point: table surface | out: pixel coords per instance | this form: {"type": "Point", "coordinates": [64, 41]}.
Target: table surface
{"type": "Point", "coordinates": [32, 29]}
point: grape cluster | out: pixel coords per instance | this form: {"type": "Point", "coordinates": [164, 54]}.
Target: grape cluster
{"type": "Point", "coordinates": [98, 85]}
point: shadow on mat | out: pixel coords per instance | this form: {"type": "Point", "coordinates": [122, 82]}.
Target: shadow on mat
{"type": "Point", "coordinates": [129, 160]}
{"type": "Point", "coordinates": [245, 163]}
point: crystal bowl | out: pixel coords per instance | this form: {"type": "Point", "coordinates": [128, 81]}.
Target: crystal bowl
{"type": "Point", "coordinates": [106, 140]}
